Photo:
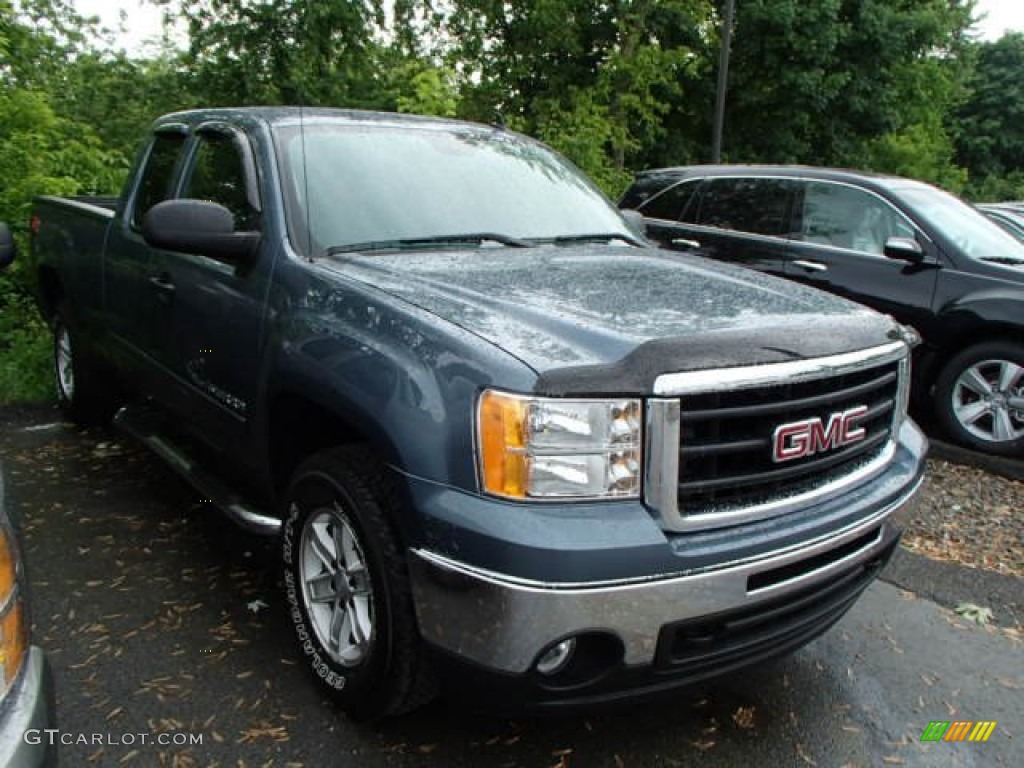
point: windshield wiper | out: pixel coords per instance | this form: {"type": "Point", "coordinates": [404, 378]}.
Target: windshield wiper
{"type": "Point", "coordinates": [596, 237]}
{"type": "Point", "coordinates": [472, 238]}
{"type": "Point", "coordinates": [1008, 260]}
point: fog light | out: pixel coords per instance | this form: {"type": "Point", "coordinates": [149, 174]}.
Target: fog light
{"type": "Point", "coordinates": [554, 659]}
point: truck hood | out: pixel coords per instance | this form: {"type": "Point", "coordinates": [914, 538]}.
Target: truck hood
{"type": "Point", "coordinates": [599, 319]}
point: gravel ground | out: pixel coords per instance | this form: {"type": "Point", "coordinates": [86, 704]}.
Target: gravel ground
{"type": "Point", "coordinates": [970, 517]}
{"type": "Point", "coordinates": [159, 617]}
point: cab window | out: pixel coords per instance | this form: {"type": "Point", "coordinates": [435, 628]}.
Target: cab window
{"type": "Point", "coordinates": [217, 174]}
{"type": "Point", "coordinates": [158, 174]}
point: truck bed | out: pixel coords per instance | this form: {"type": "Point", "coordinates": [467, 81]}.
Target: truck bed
{"type": "Point", "coordinates": [70, 233]}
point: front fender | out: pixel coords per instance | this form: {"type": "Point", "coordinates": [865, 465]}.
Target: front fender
{"type": "Point", "coordinates": [402, 377]}
{"type": "Point", "coordinates": [997, 308]}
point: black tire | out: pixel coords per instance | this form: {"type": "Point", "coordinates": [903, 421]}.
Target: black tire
{"type": "Point", "coordinates": [379, 670]}
{"type": "Point", "coordinates": [86, 391]}
{"type": "Point", "coordinates": [975, 395]}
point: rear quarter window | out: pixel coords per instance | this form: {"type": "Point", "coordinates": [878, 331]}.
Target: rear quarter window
{"type": "Point", "coordinates": [646, 186]}
{"type": "Point", "coordinates": [672, 203]}
{"type": "Point", "coordinates": [157, 175]}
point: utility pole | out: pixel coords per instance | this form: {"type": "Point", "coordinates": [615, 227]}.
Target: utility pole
{"type": "Point", "coordinates": [723, 79]}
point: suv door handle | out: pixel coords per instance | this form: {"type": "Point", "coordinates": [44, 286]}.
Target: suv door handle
{"type": "Point", "coordinates": [811, 266]}
{"type": "Point", "coordinates": [685, 242]}
{"type": "Point", "coordinates": [163, 285]}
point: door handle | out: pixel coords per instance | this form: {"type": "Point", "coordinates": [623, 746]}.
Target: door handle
{"type": "Point", "coordinates": [685, 242]}
{"type": "Point", "coordinates": [811, 266]}
{"type": "Point", "coordinates": [163, 285]}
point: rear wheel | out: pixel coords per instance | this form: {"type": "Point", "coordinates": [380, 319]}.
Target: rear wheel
{"type": "Point", "coordinates": [347, 586]}
{"type": "Point", "coordinates": [979, 398]}
{"type": "Point", "coordinates": [86, 392]}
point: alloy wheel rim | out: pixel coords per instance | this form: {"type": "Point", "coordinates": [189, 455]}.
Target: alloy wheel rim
{"type": "Point", "coordinates": [65, 371]}
{"type": "Point", "coordinates": [988, 401]}
{"type": "Point", "coordinates": [336, 586]}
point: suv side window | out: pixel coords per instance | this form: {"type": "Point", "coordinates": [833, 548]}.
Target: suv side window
{"type": "Point", "coordinates": [846, 217]}
{"type": "Point", "coordinates": [671, 204]}
{"type": "Point", "coordinates": [217, 174]}
{"type": "Point", "coordinates": [158, 174]}
{"type": "Point", "coordinates": [644, 187]}
{"type": "Point", "coordinates": [759, 206]}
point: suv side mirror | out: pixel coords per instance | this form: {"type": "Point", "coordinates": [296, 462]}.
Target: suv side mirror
{"type": "Point", "coordinates": [200, 227]}
{"type": "Point", "coordinates": [8, 249]}
{"type": "Point", "coordinates": [904, 249]}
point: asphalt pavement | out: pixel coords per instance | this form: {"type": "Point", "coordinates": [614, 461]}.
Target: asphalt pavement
{"type": "Point", "coordinates": [165, 625]}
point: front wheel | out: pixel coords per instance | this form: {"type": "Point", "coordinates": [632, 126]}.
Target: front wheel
{"type": "Point", "coordinates": [347, 585]}
{"type": "Point", "coordinates": [979, 398]}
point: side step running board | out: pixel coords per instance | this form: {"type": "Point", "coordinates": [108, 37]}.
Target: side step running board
{"type": "Point", "coordinates": [141, 426]}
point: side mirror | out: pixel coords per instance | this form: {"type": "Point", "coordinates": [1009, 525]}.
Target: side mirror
{"type": "Point", "coordinates": [8, 249]}
{"type": "Point", "coordinates": [904, 249]}
{"type": "Point", "coordinates": [200, 227]}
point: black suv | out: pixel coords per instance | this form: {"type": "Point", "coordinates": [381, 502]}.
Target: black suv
{"type": "Point", "coordinates": [900, 246]}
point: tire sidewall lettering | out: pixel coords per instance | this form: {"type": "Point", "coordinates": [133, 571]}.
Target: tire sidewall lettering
{"type": "Point", "coordinates": [306, 641]}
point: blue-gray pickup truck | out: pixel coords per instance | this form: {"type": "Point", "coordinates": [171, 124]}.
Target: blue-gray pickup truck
{"type": "Point", "coordinates": [510, 450]}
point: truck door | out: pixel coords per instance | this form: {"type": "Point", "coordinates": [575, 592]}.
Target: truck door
{"type": "Point", "coordinates": [137, 294]}
{"type": "Point", "coordinates": [217, 308]}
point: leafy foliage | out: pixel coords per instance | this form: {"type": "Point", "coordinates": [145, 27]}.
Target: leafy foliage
{"type": "Point", "coordinates": [820, 82]}
{"type": "Point", "coordinates": [616, 85]}
{"type": "Point", "coordinates": [991, 137]}
{"type": "Point", "coordinates": [594, 79]}
{"type": "Point", "coordinates": [41, 152]}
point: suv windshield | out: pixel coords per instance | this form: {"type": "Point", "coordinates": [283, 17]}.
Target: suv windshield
{"type": "Point", "coordinates": [368, 183]}
{"type": "Point", "coordinates": [972, 232]}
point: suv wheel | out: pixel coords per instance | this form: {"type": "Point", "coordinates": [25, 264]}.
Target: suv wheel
{"type": "Point", "coordinates": [347, 586]}
{"type": "Point", "coordinates": [979, 398]}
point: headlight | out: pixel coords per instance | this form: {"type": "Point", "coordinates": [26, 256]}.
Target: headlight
{"type": "Point", "coordinates": [535, 447]}
{"type": "Point", "coordinates": [13, 627]}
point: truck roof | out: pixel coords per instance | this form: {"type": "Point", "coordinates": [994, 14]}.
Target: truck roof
{"type": "Point", "coordinates": [286, 116]}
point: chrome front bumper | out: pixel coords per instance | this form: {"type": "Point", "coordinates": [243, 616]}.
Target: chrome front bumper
{"type": "Point", "coordinates": [504, 624]}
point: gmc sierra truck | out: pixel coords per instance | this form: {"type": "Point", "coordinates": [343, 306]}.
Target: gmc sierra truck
{"type": "Point", "coordinates": [509, 449]}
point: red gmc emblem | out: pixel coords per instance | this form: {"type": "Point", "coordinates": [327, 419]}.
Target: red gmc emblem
{"type": "Point", "coordinates": [811, 436]}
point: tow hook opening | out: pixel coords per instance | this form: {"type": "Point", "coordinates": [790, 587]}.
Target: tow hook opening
{"type": "Point", "coordinates": [578, 660]}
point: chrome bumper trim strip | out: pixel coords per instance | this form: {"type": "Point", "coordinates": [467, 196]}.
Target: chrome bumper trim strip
{"type": "Point", "coordinates": [503, 623]}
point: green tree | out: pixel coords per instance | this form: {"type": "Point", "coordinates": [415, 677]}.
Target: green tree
{"type": "Point", "coordinates": [820, 82]}
{"type": "Point", "coordinates": [342, 53]}
{"type": "Point", "coordinates": [990, 142]}
{"type": "Point", "coordinates": [119, 96]}
{"type": "Point", "coordinates": [920, 151]}
{"type": "Point", "coordinates": [595, 79]}
{"type": "Point", "coordinates": [422, 89]}
{"type": "Point", "coordinates": [41, 152]}
{"type": "Point", "coordinates": [282, 51]}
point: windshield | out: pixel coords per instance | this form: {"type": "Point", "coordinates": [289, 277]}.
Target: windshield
{"type": "Point", "coordinates": [368, 183]}
{"type": "Point", "coordinates": [1009, 220]}
{"type": "Point", "coordinates": [966, 227]}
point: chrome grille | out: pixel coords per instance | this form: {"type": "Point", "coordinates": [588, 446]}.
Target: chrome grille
{"type": "Point", "coordinates": [710, 435]}
{"type": "Point", "coordinates": [726, 438]}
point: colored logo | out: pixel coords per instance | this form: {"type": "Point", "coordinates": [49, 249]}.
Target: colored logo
{"type": "Point", "coordinates": [810, 436]}
{"type": "Point", "coordinates": [958, 730]}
